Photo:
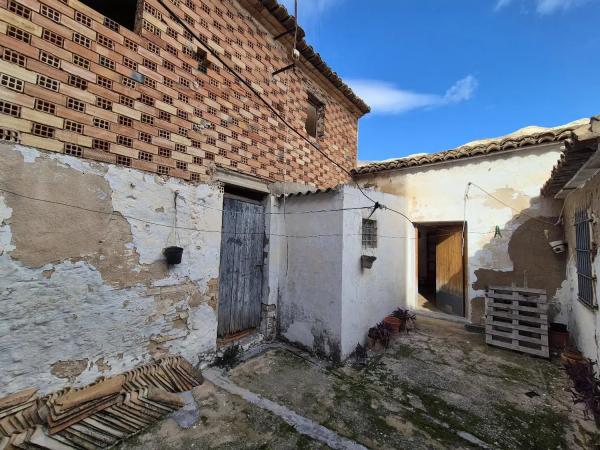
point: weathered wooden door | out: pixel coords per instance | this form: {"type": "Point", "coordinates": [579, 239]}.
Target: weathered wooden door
{"type": "Point", "coordinates": [241, 270]}
{"type": "Point", "coordinates": [449, 271]}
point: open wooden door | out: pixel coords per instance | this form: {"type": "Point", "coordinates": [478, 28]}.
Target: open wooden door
{"type": "Point", "coordinates": [449, 271]}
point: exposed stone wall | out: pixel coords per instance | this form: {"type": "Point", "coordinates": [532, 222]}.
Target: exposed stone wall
{"type": "Point", "coordinates": [85, 291]}
{"type": "Point", "coordinates": [76, 82]}
{"type": "Point", "coordinates": [583, 321]}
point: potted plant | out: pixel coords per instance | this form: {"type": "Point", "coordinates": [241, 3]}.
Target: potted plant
{"type": "Point", "coordinates": [558, 336]}
{"type": "Point", "coordinates": [404, 317]}
{"type": "Point", "coordinates": [571, 355]}
{"type": "Point", "coordinates": [393, 323]}
{"type": "Point", "coordinates": [173, 253]}
{"type": "Point", "coordinates": [378, 337]}
{"type": "Point", "coordinates": [366, 261]}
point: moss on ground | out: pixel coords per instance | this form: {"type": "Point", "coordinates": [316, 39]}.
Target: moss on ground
{"type": "Point", "coordinates": [540, 430]}
{"type": "Point", "coordinates": [509, 427]}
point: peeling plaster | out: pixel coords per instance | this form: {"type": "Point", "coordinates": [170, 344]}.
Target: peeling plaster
{"type": "Point", "coordinates": [81, 287]}
{"type": "Point", "coordinates": [436, 194]}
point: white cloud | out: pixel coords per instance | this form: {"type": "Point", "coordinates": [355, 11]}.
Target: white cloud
{"type": "Point", "coordinates": [546, 6]}
{"type": "Point", "coordinates": [385, 98]}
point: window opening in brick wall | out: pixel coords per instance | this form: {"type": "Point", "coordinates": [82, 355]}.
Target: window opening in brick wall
{"type": "Point", "coordinates": [369, 233]}
{"type": "Point", "coordinates": [315, 115]}
{"type": "Point", "coordinates": [583, 256]}
{"type": "Point", "coordinates": [120, 11]}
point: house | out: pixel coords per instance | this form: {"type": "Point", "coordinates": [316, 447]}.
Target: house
{"type": "Point", "coordinates": [478, 219]}
{"type": "Point", "coordinates": [184, 125]}
{"type": "Point", "coordinates": [452, 224]}
{"type": "Point", "coordinates": [128, 130]}
{"type": "Point", "coordinates": [575, 180]}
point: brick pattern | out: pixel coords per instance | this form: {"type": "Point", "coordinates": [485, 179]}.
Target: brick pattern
{"type": "Point", "coordinates": [70, 82]}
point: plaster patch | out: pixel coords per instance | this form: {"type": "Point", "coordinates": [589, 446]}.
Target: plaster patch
{"type": "Point", "coordinates": [5, 232]}
{"type": "Point", "coordinates": [70, 369]}
{"type": "Point", "coordinates": [29, 154]}
{"type": "Point", "coordinates": [73, 289]}
{"type": "Point", "coordinates": [300, 332]}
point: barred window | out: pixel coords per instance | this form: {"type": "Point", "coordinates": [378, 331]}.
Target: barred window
{"type": "Point", "coordinates": [369, 233]}
{"type": "Point", "coordinates": [583, 252]}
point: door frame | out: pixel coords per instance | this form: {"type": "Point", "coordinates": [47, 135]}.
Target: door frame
{"type": "Point", "coordinates": [465, 260]}
{"type": "Point", "coordinates": [242, 192]}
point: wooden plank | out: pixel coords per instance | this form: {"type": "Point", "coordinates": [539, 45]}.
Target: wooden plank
{"type": "Point", "coordinates": [541, 318]}
{"type": "Point", "coordinates": [226, 267]}
{"type": "Point", "coordinates": [449, 277]}
{"type": "Point", "coordinates": [519, 337]}
{"type": "Point", "coordinates": [536, 299]}
{"type": "Point", "coordinates": [517, 289]}
{"type": "Point", "coordinates": [237, 288]}
{"type": "Point", "coordinates": [543, 351]}
{"type": "Point", "coordinates": [257, 264]}
{"type": "Point", "coordinates": [540, 308]}
{"type": "Point", "coordinates": [543, 329]}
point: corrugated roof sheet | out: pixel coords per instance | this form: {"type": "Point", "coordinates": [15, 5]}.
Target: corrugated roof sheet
{"type": "Point", "coordinates": [310, 191]}
{"type": "Point", "coordinates": [525, 137]}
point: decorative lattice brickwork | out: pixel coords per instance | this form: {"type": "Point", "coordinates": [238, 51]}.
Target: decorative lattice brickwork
{"type": "Point", "coordinates": [70, 82]}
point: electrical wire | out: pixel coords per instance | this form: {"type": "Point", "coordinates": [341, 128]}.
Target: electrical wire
{"type": "Point", "coordinates": [193, 229]}
{"type": "Point", "coordinates": [519, 212]}
{"type": "Point", "coordinates": [273, 110]}
{"type": "Point", "coordinates": [316, 211]}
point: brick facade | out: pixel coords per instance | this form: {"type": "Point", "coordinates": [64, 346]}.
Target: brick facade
{"type": "Point", "coordinates": [74, 81]}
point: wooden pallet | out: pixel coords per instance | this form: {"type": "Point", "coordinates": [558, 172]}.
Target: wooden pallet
{"type": "Point", "coordinates": [517, 319]}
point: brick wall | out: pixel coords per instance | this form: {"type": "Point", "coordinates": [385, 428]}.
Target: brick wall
{"type": "Point", "coordinates": [67, 84]}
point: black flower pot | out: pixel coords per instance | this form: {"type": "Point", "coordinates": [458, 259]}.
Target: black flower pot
{"type": "Point", "coordinates": [366, 262]}
{"type": "Point", "coordinates": [173, 254]}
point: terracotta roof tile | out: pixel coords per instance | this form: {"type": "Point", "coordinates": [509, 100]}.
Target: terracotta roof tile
{"type": "Point", "coordinates": [574, 157]}
{"type": "Point", "coordinates": [522, 138]}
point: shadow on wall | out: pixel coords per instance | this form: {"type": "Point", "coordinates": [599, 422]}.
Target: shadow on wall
{"type": "Point", "coordinates": [534, 264]}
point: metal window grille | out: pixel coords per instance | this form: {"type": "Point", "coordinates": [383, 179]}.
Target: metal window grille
{"type": "Point", "coordinates": [583, 254]}
{"type": "Point", "coordinates": [369, 233]}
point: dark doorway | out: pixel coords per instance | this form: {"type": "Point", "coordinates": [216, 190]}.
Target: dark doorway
{"type": "Point", "coordinates": [441, 267]}
{"type": "Point", "coordinates": [241, 268]}
{"type": "Point", "coordinates": [121, 11]}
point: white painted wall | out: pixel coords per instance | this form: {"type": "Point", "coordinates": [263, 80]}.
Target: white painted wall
{"type": "Point", "coordinates": [327, 301]}
{"type": "Point", "coordinates": [368, 295]}
{"type": "Point", "coordinates": [101, 318]}
{"type": "Point", "coordinates": [583, 321]}
{"type": "Point", "coordinates": [311, 271]}
{"type": "Point", "coordinates": [435, 193]}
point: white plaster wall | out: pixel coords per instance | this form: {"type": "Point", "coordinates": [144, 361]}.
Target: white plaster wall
{"type": "Point", "coordinates": [368, 295]}
{"type": "Point", "coordinates": [310, 287]}
{"type": "Point", "coordinates": [583, 321]}
{"type": "Point", "coordinates": [436, 193]}
{"type": "Point", "coordinates": [67, 311]}
{"type": "Point", "coordinates": [327, 302]}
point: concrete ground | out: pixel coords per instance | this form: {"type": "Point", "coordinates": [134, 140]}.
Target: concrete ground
{"type": "Point", "coordinates": [436, 387]}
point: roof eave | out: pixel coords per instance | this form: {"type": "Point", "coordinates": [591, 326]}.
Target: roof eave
{"type": "Point", "coordinates": [465, 152]}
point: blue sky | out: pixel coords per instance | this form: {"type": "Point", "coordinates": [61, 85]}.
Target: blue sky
{"type": "Point", "coordinates": [440, 73]}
